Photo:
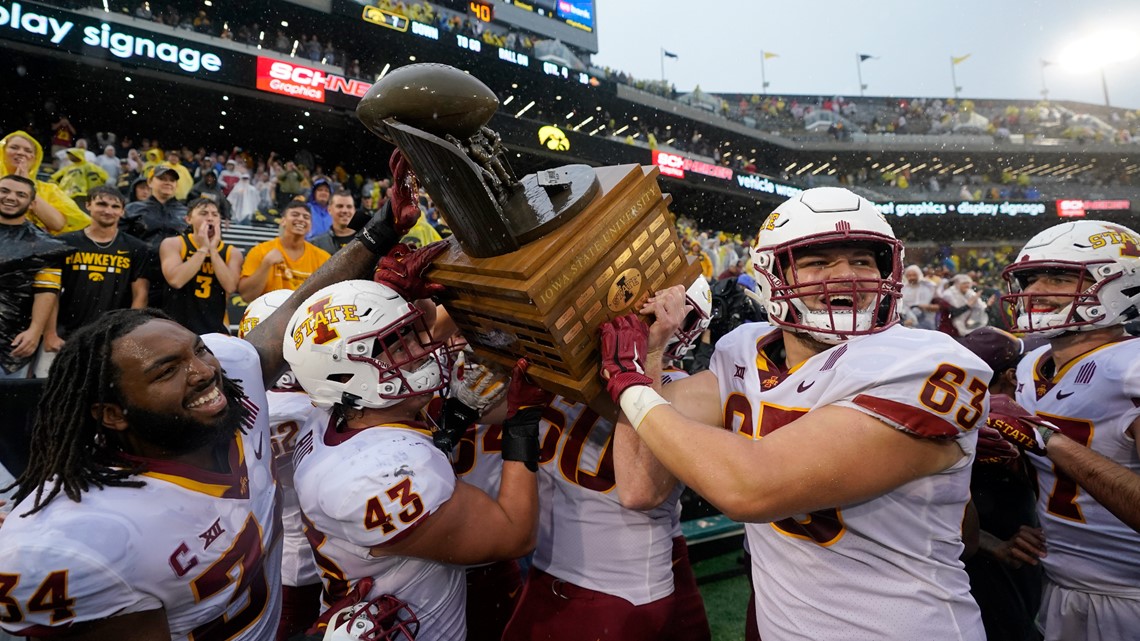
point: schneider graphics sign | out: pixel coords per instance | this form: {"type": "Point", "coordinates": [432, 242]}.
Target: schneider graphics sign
{"type": "Point", "coordinates": [307, 83]}
{"type": "Point", "coordinates": [91, 37]}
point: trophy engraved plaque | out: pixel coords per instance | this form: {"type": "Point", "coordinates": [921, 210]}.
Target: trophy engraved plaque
{"type": "Point", "coordinates": [540, 261]}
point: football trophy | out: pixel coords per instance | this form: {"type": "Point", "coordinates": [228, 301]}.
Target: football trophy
{"type": "Point", "coordinates": [539, 261]}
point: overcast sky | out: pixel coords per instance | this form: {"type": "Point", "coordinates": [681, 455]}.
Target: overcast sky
{"type": "Point", "coordinates": [719, 44]}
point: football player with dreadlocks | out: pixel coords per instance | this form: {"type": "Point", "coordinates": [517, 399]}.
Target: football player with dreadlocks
{"type": "Point", "coordinates": [1076, 284]}
{"type": "Point", "coordinates": [843, 440]}
{"type": "Point", "coordinates": [148, 507]}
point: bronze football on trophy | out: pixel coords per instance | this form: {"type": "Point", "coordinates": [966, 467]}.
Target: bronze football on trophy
{"type": "Point", "coordinates": [436, 98]}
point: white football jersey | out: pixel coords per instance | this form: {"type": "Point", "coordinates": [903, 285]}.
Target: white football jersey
{"type": "Point", "coordinates": [203, 545]}
{"type": "Point", "coordinates": [365, 488]}
{"type": "Point", "coordinates": [885, 568]}
{"type": "Point", "coordinates": [288, 413]}
{"type": "Point", "coordinates": [1093, 400]}
{"type": "Point", "coordinates": [585, 536]}
{"type": "Point", "coordinates": [478, 458]}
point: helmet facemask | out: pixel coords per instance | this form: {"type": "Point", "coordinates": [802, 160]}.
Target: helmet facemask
{"type": "Point", "coordinates": [405, 363]}
{"type": "Point", "coordinates": [1038, 313]}
{"type": "Point", "coordinates": [844, 307]}
{"type": "Point", "coordinates": [1105, 259]}
{"type": "Point", "coordinates": [385, 618]}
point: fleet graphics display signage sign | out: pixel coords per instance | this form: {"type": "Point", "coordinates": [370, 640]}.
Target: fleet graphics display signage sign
{"type": "Point", "coordinates": [307, 83]}
{"type": "Point", "coordinates": [91, 37]}
{"type": "Point", "coordinates": [963, 208]}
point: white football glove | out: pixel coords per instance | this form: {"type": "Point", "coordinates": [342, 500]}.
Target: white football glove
{"type": "Point", "coordinates": [476, 385]}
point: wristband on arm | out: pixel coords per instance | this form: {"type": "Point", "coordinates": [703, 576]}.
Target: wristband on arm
{"type": "Point", "coordinates": [636, 401]}
{"type": "Point", "coordinates": [379, 235]}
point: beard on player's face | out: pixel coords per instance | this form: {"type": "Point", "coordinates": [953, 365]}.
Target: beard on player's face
{"type": "Point", "coordinates": [178, 434]}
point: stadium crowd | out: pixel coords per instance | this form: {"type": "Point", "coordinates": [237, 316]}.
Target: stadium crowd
{"type": "Point", "coordinates": [163, 191]}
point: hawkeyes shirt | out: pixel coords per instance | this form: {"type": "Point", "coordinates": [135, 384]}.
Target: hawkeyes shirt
{"type": "Point", "coordinates": [200, 304]}
{"type": "Point", "coordinates": [1093, 399]}
{"type": "Point", "coordinates": [202, 545]}
{"type": "Point", "coordinates": [887, 567]}
{"type": "Point", "coordinates": [365, 488]}
{"type": "Point", "coordinates": [585, 536]}
{"type": "Point", "coordinates": [97, 278]}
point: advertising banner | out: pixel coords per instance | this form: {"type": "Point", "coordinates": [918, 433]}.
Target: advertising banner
{"type": "Point", "coordinates": [91, 37]}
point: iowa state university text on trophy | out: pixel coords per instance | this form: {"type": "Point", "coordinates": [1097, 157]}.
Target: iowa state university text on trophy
{"type": "Point", "coordinates": [541, 260]}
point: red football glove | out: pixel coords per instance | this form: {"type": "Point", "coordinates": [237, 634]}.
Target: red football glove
{"type": "Point", "coordinates": [405, 209]}
{"type": "Point", "coordinates": [525, 402]}
{"type": "Point", "coordinates": [992, 448]}
{"type": "Point", "coordinates": [624, 343]}
{"type": "Point", "coordinates": [523, 393]}
{"type": "Point", "coordinates": [403, 270]}
{"type": "Point", "coordinates": [1016, 425]}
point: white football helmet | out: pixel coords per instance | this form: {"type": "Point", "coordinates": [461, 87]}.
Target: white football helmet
{"type": "Point", "coordinates": [358, 343]}
{"type": "Point", "coordinates": [384, 618]}
{"type": "Point", "coordinates": [1105, 257]}
{"type": "Point", "coordinates": [259, 310]}
{"type": "Point", "coordinates": [699, 297]}
{"type": "Point", "coordinates": [821, 217]}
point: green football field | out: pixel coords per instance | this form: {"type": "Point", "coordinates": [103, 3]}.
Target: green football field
{"type": "Point", "coordinates": [726, 599]}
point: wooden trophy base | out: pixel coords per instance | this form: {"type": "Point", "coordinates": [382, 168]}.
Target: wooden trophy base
{"type": "Point", "coordinates": [546, 300]}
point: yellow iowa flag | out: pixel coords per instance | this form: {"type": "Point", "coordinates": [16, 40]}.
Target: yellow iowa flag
{"type": "Point", "coordinates": [768, 55]}
{"type": "Point", "coordinates": [957, 59]}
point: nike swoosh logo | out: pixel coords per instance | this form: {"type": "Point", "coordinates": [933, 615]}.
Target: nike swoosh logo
{"type": "Point", "coordinates": [801, 388]}
{"type": "Point", "coordinates": [512, 593]}
{"type": "Point", "coordinates": [121, 251]}
{"type": "Point", "coordinates": [1062, 395]}
{"type": "Point", "coordinates": [260, 446]}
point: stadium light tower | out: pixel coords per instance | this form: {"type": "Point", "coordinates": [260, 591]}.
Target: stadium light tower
{"type": "Point", "coordinates": [1098, 51]}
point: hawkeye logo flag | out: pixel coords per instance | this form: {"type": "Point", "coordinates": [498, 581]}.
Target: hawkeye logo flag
{"type": "Point", "coordinates": [553, 138]}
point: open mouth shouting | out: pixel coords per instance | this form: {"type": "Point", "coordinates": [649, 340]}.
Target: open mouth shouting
{"type": "Point", "coordinates": [839, 302]}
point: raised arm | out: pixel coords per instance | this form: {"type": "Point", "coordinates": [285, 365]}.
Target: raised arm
{"type": "Point", "coordinates": [176, 271]}
{"type": "Point", "coordinates": [227, 271]}
{"type": "Point", "coordinates": [357, 260]}
{"type": "Point", "coordinates": [642, 482]}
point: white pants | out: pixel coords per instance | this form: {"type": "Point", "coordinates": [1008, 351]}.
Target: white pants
{"type": "Point", "coordinates": [1068, 615]}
